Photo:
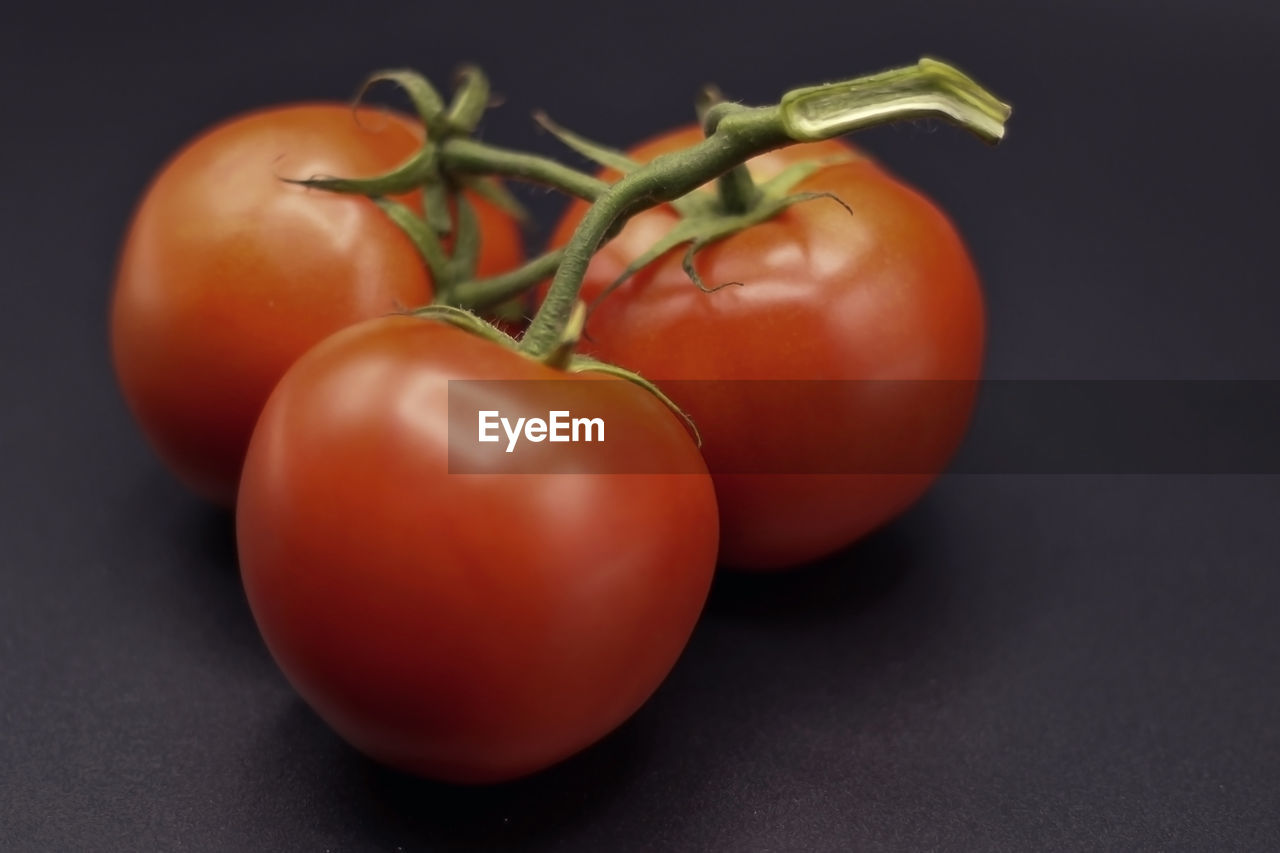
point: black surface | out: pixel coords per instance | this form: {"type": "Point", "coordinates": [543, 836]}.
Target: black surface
{"type": "Point", "coordinates": [1019, 663]}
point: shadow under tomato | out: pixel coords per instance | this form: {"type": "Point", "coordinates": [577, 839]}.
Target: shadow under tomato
{"type": "Point", "coordinates": [192, 530]}
{"type": "Point", "coordinates": [300, 765]}
{"type": "Point", "coordinates": [286, 780]}
{"type": "Point", "coordinates": [398, 810]}
{"type": "Point", "coordinates": [213, 533]}
{"type": "Point", "coordinates": [204, 538]}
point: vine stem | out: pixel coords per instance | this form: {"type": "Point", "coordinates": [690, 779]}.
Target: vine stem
{"type": "Point", "coordinates": [486, 292]}
{"type": "Point", "coordinates": [450, 148]}
{"type": "Point", "coordinates": [469, 156]}
{"type": "Point", "coordinates": [928, 89]}
{"type": "Point", "coordinates": [736, 188]}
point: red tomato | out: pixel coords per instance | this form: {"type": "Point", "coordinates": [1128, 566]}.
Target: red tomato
{"type": "Point", "coordinates": [888, 293]}
{"type": "Point", "coordinates": [228, 274]}
{"type": "Point", "coordinates": [465, 627]}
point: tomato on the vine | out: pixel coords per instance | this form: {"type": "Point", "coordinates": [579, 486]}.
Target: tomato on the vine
{"type": "Point", "coordinates": [469, 627]}
{"type": "Point", "coordinates": [882, 291]}
{"type": "Point", "coordinates": [228, 273]}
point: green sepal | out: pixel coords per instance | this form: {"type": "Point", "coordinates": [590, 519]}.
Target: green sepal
{"type": "Point", "coordinates": [512, 310]}
{"type": "Point", "coordinates": [470, 100]}
{"type": "Point", "coordinates": [496, 193]}
{"type": "Point", "coordinates": [426, 100]}
{"type": "Point", "coordinates": [684, 231]}
{"type": "Point", "coordinates": [702, 230]}
{"type": "Point", "coordinates": [466, 246]}
{"type": "Point", "coordinates": [612, 158]}
{"type": "Point", "coordinates": [465, 320]}
{"type": "Point", "coordinates": [404, 178]}
{"type": "Point", "coordinates": [597, 153]}
{"type": "Point", "coordinates": [563, 359]}
{"type": "Point", "coordinates": [422, 237]}
{"type": "Point", "coordinates": [435, 205]}
{"type": "Point", "coordinates": [487, 292]}
{"type": "Point", "coordinates": [587, 364]}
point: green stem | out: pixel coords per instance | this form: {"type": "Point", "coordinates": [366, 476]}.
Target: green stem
{"type": "Point", "coordinates": [736, 188]}
{"type": "Point", "coordinates": [435, 205]}
{"type": "Point", "coordinates": [466, 243]}
{"type": "Point", "coordinates": [422, 237]}
{"type": "Point", "coordinates": [486, 292]}
{"type": "Point", "coordinates": [462, 155]}
{"type": "Point", "coordinates": [927, 89]}
{"type": "Point", "coordinates": [426, 100]}
{"type": "Point", "coordinates": [470, 100]}
{"type": "Point", "coordinates": [666, 177]}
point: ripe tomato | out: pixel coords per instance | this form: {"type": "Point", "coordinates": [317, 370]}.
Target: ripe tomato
{"type": "Point", "coordinates": [228, 274]}
{"type": "Point", "coordinates": [469, 627]}
{"type": "Point", "coordinates": [887, 293]}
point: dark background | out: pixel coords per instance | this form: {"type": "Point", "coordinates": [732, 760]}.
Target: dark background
{"type": "Point", "coordinates": [1021, 662]}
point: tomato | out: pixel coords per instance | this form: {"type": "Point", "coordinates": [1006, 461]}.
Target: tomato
{"type": "Point", "coordinates": [887, 293]}
{"type": "Point", "coordinates": [228, 274]}
{"type": "Point", "coordinates": [470, 627]}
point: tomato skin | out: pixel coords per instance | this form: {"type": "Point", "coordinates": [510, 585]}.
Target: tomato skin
{"type": "Point", "coordinates": [228, 274]}
{"type": "Point", "coordinates": [469, 628]}
{"type": "Point", "coordinates": [887, 293]}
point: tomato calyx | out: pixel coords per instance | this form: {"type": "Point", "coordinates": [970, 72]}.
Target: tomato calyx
{"type": "Point", "coordinates": [443, 196]}
{"type": "Point", "coordinates": [561, 357]}
{"type": "Point", "coordinates": [693, 204]}
{"type": "Point", "coordinates": [467, 321]}
{"type": "Point", "coordinates": [735, 134]}
{"type": "Point", "coordinates": [448, 163]}
{"type": "Point", "coordinates": [447, 166]}
{"type": "Point", "coordinates": [700, 229]}
{"type": "Point", "coordinates": [586, 364]}
{"type": "Point", "coordinates": [927, 89]}
{"type": "Point", "coordinates": [493, 292]}
{"type": "Point", "coordinates": [704, 218]}
{"type": "Point", "coordinates": [426, 169]}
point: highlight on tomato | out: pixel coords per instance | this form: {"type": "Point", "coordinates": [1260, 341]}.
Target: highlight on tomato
{"type": "Point", "coordinates": [229, 273]}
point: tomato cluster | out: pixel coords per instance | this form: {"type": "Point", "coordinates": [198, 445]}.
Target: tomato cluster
{"type": "Point", "coordinates": [480, 625]}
